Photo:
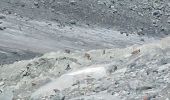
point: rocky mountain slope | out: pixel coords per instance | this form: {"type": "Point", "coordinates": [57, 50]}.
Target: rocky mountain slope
{"type": "Point", "coordinates": [24, 38]}
{"type": "Point", "coordinates": [133, 73]}
{"type": "Point", "coordinates": [100, 50]}
{"type": "Point", "coordinates": [46, 18]}
{"type": "Point", "coordinates": [151, 17]}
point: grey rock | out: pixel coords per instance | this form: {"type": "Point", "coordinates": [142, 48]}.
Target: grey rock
{"type": "Point", "coordinates": [2, 17]}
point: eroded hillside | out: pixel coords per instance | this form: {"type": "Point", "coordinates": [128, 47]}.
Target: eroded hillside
{"type": "Point", "coordinates": [132, 73]}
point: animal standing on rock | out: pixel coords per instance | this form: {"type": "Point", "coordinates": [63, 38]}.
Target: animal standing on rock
{"type": "Point", "coordinates": [137, 51]}
{"type": "Point", "coordinates": [86, 55]}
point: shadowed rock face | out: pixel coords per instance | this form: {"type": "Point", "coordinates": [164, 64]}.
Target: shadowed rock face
{"type": "Point", "coordinates": [141, 17]}
{"type": "Point", "coordinates": [8, 55]}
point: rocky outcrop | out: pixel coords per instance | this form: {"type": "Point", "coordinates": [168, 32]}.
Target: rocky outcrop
{"type": "Point", "coordinates": [116, 74]}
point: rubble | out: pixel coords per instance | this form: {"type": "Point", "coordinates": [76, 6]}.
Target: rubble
{"type": "Point", "coordinates": [100, 50]}
{"type": "Point", "coordinates": [143, 76]}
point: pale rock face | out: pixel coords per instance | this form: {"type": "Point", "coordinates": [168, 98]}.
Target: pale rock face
{"type": "Point", "coordinates": [119, 77]}
{"type": "Point", "coordinates": [84, 50]}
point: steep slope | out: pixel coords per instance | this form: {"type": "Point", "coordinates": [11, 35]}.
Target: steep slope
{"type": "Point", "coordinates": [132, 73]}
{"type": "Point", "coordinates": [32, 38]}
{"type": "Point", "coordinates": [151, 17]}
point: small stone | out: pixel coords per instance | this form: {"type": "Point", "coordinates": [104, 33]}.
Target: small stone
{"type": "Point", "coordinates": [104, 52]}
{"type": "Point", "coordinates": [163, 29]}
{"type": "Point", "coordinates": [142, 40]}
{"type": "Point", "coordinates": [111, 69]}
{"type": "Point", "coordinates": [113, 9]}
{"type": "Point", "coordinates": [23, 5]}
{"type": "Point", "coordinates": [144, 88]}
{"type": "Point", "coordinates": [56, 90]}
{"type": "Point", "coordinates": [68, 67]}
{"type": "Point", "coordinates": [36, 3]}
{"type": "Point", "coordinates": [121, 32]}
{"type": "Point", "coordinates": [33, 84]}
{"type": "Point", "coordinates": [157, 13]}
{"type": "Point", "coordinates": [2, 28]}
{"type": "Point", "coordinates": [73, 2]}
{"type": "Point", "coordinates": [73, 22]}
{"type": "Point", "coordinates": [67, 51]}
{"type": "Point", "coordinates": [29, 64]}
{"type": "Point", "coordinates": [2, 83]}
{"type": "Point", "coordinates": [168, 21]}
{"type": "Point", "coordinates": [9, 12]}
{"type": "Point", "coordinates": [1, 91]}
{"type": "Point", "coordinates": [2, 17]}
